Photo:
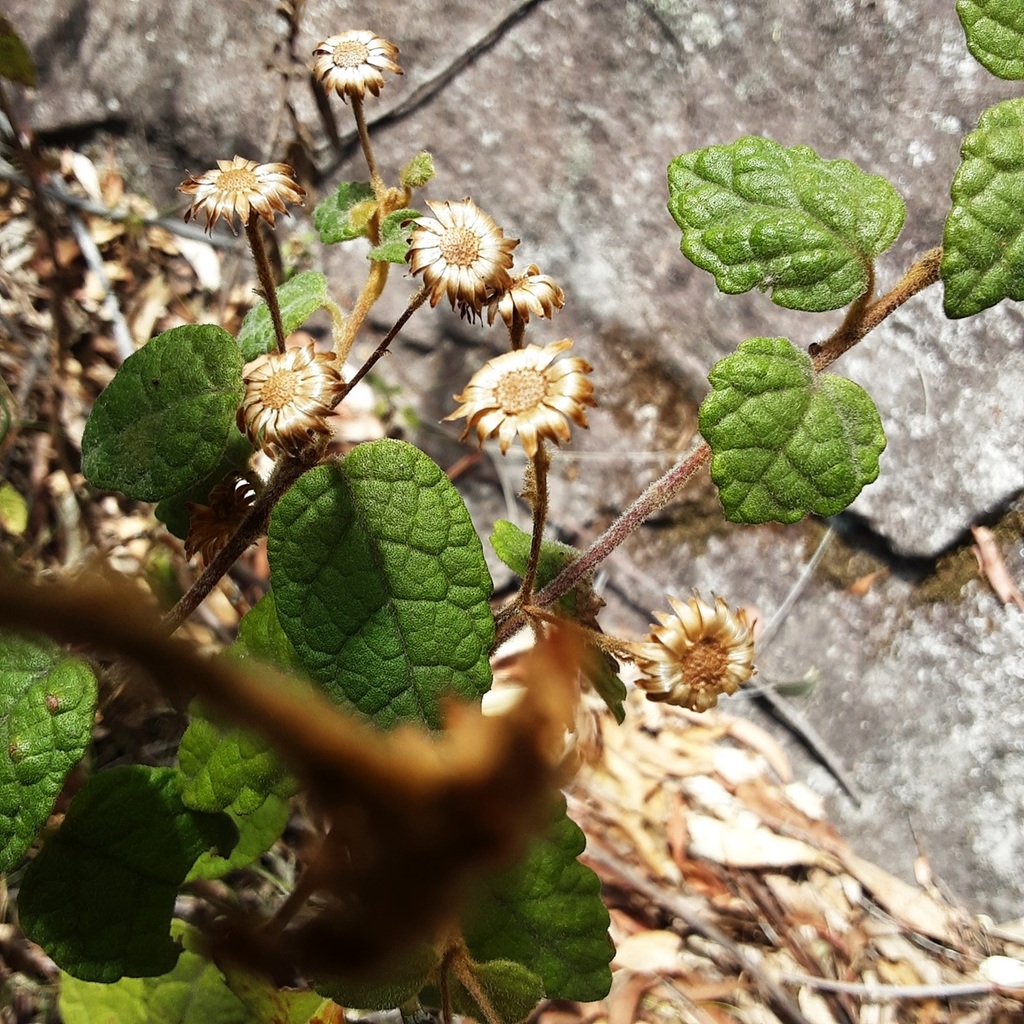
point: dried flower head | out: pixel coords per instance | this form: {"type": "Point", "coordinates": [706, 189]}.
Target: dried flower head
{"type": "Point", "coordinates": [696, 653]}
{"type": "Point", "coordinates": [526, 392]}
{"type": "Point", "coordinates": [241, 187]}
{"type": "Point", "coordinates": [530, 293]}
{"type": "Point", "coordinates": [351, 63]}
{"type": "Point", "coordinates": [461, 253]}
{"type": "Point", "coordinates": [211, 526]}
{"type": "Point", "coordinates": [287, 397]}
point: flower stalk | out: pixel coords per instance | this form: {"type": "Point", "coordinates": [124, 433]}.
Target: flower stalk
{"type": "Point", "coordinates": [266, 278]}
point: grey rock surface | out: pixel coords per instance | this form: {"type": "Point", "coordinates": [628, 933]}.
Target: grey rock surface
{"type": "Point", "coordinates": [561, 129]}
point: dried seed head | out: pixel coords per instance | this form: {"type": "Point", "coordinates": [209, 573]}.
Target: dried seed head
{"type": "Point", "coordinates": [695, 654]}
{"type": "Point", "coordinates": [351, 63]}
{"type": "Point", "coordinates": [287, 397]}
{"type": "Point", "coordinates": [532, 293]}
{"type": "Point", "coordinates": [240, 187]}
{"type": "Point", "coordinates": [211, 526]}
{"type": "Point", "coordinates": [461, 253]}
{"type": "Point", "coordinates": [526, 392]}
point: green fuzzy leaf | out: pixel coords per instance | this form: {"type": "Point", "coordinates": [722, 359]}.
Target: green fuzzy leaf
{"type": "Point", "coordinates": [512, 546]}
{"type": "Point", "coordinates": [257, 833]}
{"type": "Point", "coordinates": [419, 171]}
{"type": "Point", "coordinates": [333, 217]}
{"type": "Point", "coordinates": [299, 298]}
{"type": "Point", "coordinates": [16, 63]}
{"type": "Point", "coordinates": [394, 237]}
{"type": "Point", "coordinates": [194, 992]}
{"type": "Point", "coordinates": [387, 987]}
{"type": "Point", "coordinates": [224, 768]}
{"type": "Point", "coordinates": [167, 418]}
{"type": "Point", "coordinates": [546, 914]}
{"type": "Point", "coordinates": [260, 636]}
{"type": "Point", "coordinates": [510, 988]}
{"type": "Point", "coordinates": [786, 441]}
{"type": "Point", "coordinates": [269, 1005]}
{"type": "Point", "coordinates": [995, 34]}
{"type": "Point", "coordinates": [47, 703]}
{"type": "Point", "coordinates": [757, 215]}
{"type": "Point", "coordinates": [100, 894]}
{"type": "Point", "coordinates": [381, 585]}
{"type": "Point", "coordinates": [173, 512]}
{"type": "Point", "coordinates": [983, 240]}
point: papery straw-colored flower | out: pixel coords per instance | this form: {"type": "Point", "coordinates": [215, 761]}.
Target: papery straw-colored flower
{"type": "Point", "coordinates": [211, 526]}
{"type": "Point", "coordinates": [351, 63]}
{"type": "Point", "coordinates": [530, 293]}
{"type": "Point", "coordinates": [287, 397]}
{"type": "Point", "coordinates": [696, 653]}
{"type": "Point", "coordinates": [461, 253]}
{"type": "Point", "coordinates": [526, 392]}
{"type": "Point", "coordinates": [239, 187]}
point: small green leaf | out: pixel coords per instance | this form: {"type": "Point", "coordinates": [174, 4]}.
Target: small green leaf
{"type": "Point", "coordinates": [257, 833]}
{"type": "Point", "coordinates": [381, 584]}
{"type": "Point", "coordinates": [786, 441]}
{"type": "Point", "coordinates": [173, 512]}
{"type": "Point", "coordinates": [418, 172]}
{"type": "Point", "coordinates": [47, 703]}
{"type": "Point", "coordinates": [15, 61]}
{"type": "Point", "coordinates": [100, 894]}
{"type": "Point", "coordinates": [386, 988]}
{"type": "Point", "coordinates": [512, 546]}
{"type": "Point", "coordinates": [194, 992]}
{"type": "Point", "coordinates": [260, 636]}
{"type": "Point", "coordinates": [269, 1005]}
{"type": "Point", "coordinates": [510, 988]}
{"type": "Point", "coordinates": [983, 240]}
{"type": "Point", "coordinates": [166, 419]}
{"type": "Point", "coordinates": [299, 298]}
{"type": "Point", "coordinates": [332, 217]}
{"type": "Point", "coordinates": [227, 768]}
{"type": "Point", "coordinates": [995, 34]}
{"type": "Point", "coordinates": [546, 914]}
{"type": "Point", "coordinates": [13, 510]}
{"type": "Point", "coordinates": [757, 215]}
{"type": "Point", "coordinates": [394, 237]}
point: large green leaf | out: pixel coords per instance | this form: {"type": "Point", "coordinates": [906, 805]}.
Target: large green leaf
{"type": "Point", "coordinates": [995, 34]}
{"type": "Point", "coordinates": [47, 702]}
{"type": "Point", "coordinates": [381, 584]}
{"type": "Point", "coordinates": [269, 1005]}
{"type": "Point", "coordinates": [343, 216]}
{"type": "Point", "coordinates": [757, 215]}
{"type": "Point", "coordinates": [167, 418]}
{"type": "Point", "coordinates": [298, 298]}
{"type": "Point", "coordinates": [100, 894]}
{"type": "Point", "coordinates": [546, 914]}
{"type": "Point", "coordinates": [983, 241]}
{"type": "Point", "coordinates": [194, 992]}
{"type": "Point", "coordinates": [386, 987]}
{"type": "Point", "coordinates": [786, 441]}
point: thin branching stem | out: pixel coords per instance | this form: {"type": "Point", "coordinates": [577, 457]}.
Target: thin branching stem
{"type": "Point", "coordinates": [541, 465]}
{"type": "Point", "coordinates": [376, 181]}
{"type": "Point", "coordinates": [263, 272]}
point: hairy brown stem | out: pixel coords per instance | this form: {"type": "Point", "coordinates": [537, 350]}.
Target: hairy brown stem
{"type": "Point", "coordinates": [922, 273]}
{"type": "Point", "coordinates": [249, 530]}
{"type": "Point", "coordinates": [260, 258]}
{"type": "Point", "coordinates": [376, 180]}
{"type": "Point", "coordinates": [651, 501]}
{"type": "Point", "coordinates": [516, 330]}
{"type": "Point", "coordinates": [541, 465]}
{"type": "Point", "coordinates": [414, 303]}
